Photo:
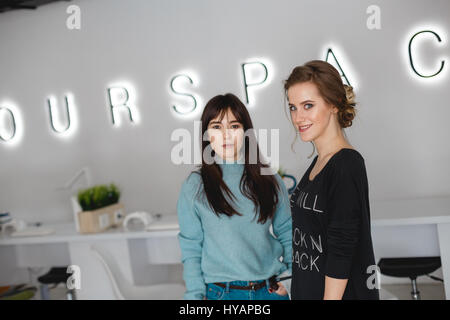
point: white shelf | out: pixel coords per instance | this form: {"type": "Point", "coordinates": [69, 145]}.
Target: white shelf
{"type": "Point", "coordinates": [165, 226]}
{"type": "Point", "coordinates": [415, 211]}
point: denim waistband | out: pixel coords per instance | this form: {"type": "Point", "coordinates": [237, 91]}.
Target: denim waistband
{"type": "Point", "coordinates": [243, 283]}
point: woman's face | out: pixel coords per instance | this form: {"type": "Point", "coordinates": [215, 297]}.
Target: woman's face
{"type": "Point", "coordinates": [311, 115]}
{"type": "Point", "coordinates": [226, 136]}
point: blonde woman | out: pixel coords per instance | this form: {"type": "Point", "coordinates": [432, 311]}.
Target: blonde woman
{"type": "Point", "coordinates": [332, 245]}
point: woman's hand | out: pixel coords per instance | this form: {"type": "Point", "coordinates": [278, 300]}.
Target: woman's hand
{"type": "Point", "coordinates": [281, 290]}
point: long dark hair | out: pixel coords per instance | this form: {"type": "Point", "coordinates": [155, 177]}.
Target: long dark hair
{"type": "Point", "coordinates": [261, 189]}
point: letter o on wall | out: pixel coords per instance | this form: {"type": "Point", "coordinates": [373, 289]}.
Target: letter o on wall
{"type": "Point", "coordinates": [3, 113]}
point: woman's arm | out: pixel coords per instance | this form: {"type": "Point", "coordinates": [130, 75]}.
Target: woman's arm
{"type": "Point", "coordinates": [344, 225]}
{"type": "Point", "coordinates": [282, 228]}
{"type": "Point", "coordinates": [334, 288]}
{"type": "Point", "coordinates": [191, 241]}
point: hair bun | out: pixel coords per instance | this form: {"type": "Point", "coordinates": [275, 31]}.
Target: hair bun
{"type": "Point", "coordinates": [350, 95]}
{"type": "Point", "coordinates": [348, 113]}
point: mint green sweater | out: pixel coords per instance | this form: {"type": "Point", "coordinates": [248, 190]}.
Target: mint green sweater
{"type": "Point", "coordinates": [223, 249]}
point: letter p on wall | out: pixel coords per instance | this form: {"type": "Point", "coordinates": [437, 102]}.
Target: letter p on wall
{"type": "Point", "coordinates": [255, 74]}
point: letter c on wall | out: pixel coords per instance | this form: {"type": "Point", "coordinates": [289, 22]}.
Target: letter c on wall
{"type": "Point", "coordinates": [410, 56]}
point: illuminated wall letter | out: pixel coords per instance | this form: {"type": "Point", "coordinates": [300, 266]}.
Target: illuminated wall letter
{"type": "Point", "coordinates": [337, 65]}
{"type": "Point", "coordinates": [118, 98]}
{"type": "Point", "coordinates": [52, 122]}
{"type": "Point", "coordinates": [410, 56]}
{"type": "Point", "coordinates": [248, 79]}
{"type": "Point", "coordinates": [172, 87]}
{"type": "Point", "coordinates": [6, 111]}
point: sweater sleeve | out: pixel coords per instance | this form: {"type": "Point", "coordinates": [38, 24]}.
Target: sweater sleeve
{"type": "Point", "coordinates": [191, 241]}
{"type": "Point", "coordinates": [282, 224]}
{"type": "Point", "coordinates": [344, 210]}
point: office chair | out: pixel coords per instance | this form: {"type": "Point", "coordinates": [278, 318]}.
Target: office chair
{"type": "Point", "coordinates": [54, 277]}
{"type": "Point", "coordinates": [410, 268]}
{"type": "Point", "coordinates": [123, 290]}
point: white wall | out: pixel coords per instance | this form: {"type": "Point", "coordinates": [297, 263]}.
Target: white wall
{"type": "Point", "coordinates": [402, 127]}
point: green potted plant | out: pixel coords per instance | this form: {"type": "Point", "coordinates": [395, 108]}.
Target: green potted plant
{"type": "Point", "coordinates": [100, 208]}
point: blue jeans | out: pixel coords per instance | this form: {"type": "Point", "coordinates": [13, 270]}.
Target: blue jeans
{"type": "Point", "coordinates": [215, 292]}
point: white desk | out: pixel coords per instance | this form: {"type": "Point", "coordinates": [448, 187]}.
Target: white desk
{"type": "Point", "coordinates": [412, 228]}
{"type": "Point", "coordinates": [158, 245]}
{"type": "Point", "coordinates": [400, 228]}
{"type": "Point", "coordinates": [65, 232]}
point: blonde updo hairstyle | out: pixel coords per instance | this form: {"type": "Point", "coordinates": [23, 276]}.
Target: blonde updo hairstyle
{"type": "Point", "coordinates": [330, 85]}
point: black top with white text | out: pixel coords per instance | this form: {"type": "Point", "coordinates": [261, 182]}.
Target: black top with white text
{"type": "Point", "coordinates": [331, 230]}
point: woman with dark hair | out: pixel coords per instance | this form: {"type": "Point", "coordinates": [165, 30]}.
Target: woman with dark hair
{"type": "Point", "coordinates": [332, 246]}
{"type": "Point", "coordinates": [226, 210]}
